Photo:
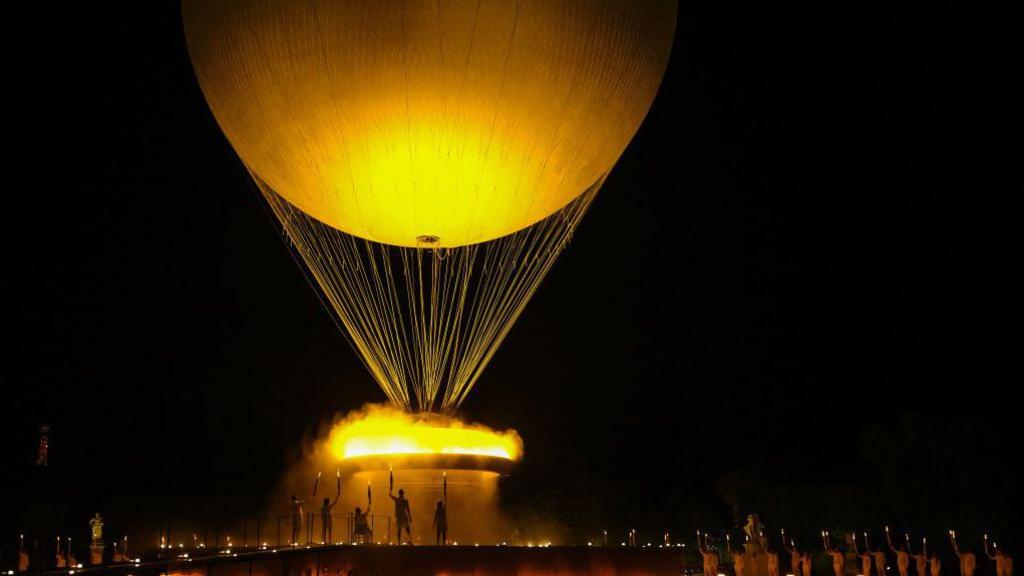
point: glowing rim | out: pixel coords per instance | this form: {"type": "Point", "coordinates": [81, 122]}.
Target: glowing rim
{"type": "Point", "coordinates": [421, 461]}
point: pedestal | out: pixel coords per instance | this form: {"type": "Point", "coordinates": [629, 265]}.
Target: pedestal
{"type": "Point", "coordinates": [96, 553]}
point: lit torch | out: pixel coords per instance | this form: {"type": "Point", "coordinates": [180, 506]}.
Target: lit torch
{"type": "Point", "coordinates": [445, 489]}
{"type": "Point", "coordinates": [391, 479]}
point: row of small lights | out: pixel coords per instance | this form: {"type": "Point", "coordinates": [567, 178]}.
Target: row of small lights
{"type": "Point", "coordinates": [264, 546]}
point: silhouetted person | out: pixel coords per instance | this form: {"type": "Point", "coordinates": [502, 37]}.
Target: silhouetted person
{"type": "Point", "coordinates": [710, 557]}
{"type": "Point", "coordinates": [325, 519]}
{"type": "Point", "coordinates": [61, 560]}
{"type": "Point", "coordinates": [878, 556]}
{"type": "Point", "coordinates": [297, 515]}
{"type": "Point", "coordinates": [361, 525]}
{"type": "Point", "coordinates": [920, 560]}
{"type": "Point", "coordinates": [441, 523]}
{"type": "Point", "coordinates": [865, 559]}
{"type": "Point", "coordinates": [71, 560]}
{"type": "Point", "coordinates": [838, 560]}
{"type": "Point", "coordinates": [902, 556]}
{"type": "Point", "coordinates": [794, 555]}
{"type": "Point", "coordinates": [1004, 562]}
{"type": "Point", "coordinates": [23, 554]}
{"type": "Point", "coordinates": [967, 559]}
{"type": "Point", "coordinates": [325, 513]}
{"type": "Point", "coordinates": [403, 515]}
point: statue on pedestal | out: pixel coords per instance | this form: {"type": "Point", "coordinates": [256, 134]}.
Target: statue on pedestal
{"type": "Point", "coordinates": [96, 548]}
{"type": "Point", "coordinates": [755, 559]}
{"type": "Point", "coordinates": [96, 524]}
{"type": "Point", "coordinates": [755, 534]}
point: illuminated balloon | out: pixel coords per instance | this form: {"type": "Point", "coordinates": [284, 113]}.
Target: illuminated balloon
{"type": "Point", "coordinates": [428, 160]}
{"type": "Point", "coordinates": [451, 121]}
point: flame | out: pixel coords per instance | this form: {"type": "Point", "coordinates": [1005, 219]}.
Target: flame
{"type": "Point", "coordinates": [378, 430]}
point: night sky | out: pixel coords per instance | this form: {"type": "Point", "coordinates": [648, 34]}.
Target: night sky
{"type": "Point", "coordinates": [794, 294]}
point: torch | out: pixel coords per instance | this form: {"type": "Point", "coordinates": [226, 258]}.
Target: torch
{"type": "Point", "coordinates": [391, 479]}
{"type": "Point", "coordinates": [316, 483]}
{"type": "Point", "coordinates": [369, 496]}
{"type": "Point", "coordinates": [445, 489]}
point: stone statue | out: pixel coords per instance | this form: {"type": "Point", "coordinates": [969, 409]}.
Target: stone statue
{"type": "Point", "coordinates": [753, 528]}
{"type": "Point", "coordinates": [97, 528]}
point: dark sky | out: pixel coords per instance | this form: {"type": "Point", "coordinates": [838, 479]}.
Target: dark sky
{"type": "Point", "coordinates": [802, 256]}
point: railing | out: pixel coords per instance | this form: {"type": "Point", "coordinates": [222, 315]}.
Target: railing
{"type": "Point", "coordinates": [280, 530]}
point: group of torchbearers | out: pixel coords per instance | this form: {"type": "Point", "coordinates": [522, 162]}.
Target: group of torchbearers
{"type": "Point", "coordinates": [925, 564]}
{"type": "Point", "coordinates": [361, 527]}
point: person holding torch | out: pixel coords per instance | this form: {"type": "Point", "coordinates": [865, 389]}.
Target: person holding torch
{"type": "Point", "coordinates": [325, 513]}
{"type": "Point", "coordinates": [403, 514]}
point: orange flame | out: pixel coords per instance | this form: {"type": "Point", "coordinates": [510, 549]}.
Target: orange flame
{"type": "Point", "coordinates": [381, 430]}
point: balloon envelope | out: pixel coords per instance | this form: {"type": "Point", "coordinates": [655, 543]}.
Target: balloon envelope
{"type": "Point", "coordinates": [450, 122]}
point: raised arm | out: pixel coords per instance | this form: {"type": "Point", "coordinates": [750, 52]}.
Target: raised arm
{"type": "Point", "coordinates": [337, 493]}
{"type": "Point", "coordinates": [787, 546]}
{"type": "Point", "coordinates": [888, 539]}
{"type": "Point", "coordinates": [984, 546]}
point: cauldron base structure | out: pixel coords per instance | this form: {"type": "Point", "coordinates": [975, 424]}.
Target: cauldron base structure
{"type": "Point", "coordinates": [471, 495]}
